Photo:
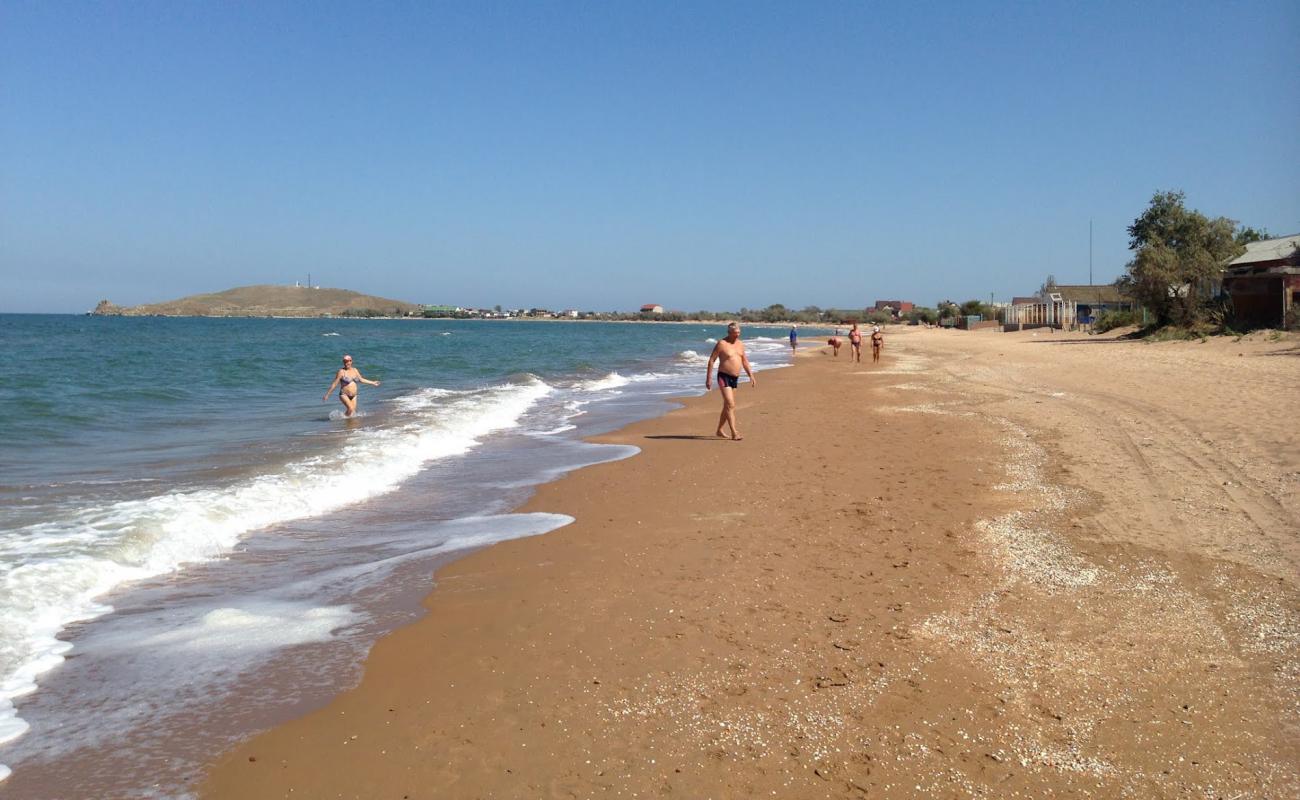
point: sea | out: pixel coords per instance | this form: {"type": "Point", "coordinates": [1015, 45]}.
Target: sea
{"type": "Point", "coordinates": [195, 545]}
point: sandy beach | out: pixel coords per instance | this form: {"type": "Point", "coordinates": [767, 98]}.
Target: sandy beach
{"type": "Point", "coordinates": [994, 565]}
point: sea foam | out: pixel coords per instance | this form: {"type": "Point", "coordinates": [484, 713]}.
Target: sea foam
{"type": "Point", "coordinates": [611, 381]}
{"type": "Point", "coordinates": [52, 573]}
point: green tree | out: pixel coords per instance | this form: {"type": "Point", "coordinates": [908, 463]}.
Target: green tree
{"type": "Point", "coordinates": [1177, 253]}
{"type": "Point", "coordinates": [920, 314]}
{"type": "Point", "coordinates": [1245, 235]}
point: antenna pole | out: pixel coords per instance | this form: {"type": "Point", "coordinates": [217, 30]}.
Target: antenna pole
{"type": "Point", "coordinates": [1089, 251]}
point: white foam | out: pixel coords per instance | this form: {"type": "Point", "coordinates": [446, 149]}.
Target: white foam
{"type": "Point", "coordinates": [236, 632]}
{"type": "Point", "coordinates": [611, 381]}
{"type": "Point", "coordinates": [423, 398]}
{"type": "Point", "coordinates": [51, 573]}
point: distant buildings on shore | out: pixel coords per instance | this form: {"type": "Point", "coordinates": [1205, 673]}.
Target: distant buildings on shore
{"type": "Point", "coordinates": [497, 312]}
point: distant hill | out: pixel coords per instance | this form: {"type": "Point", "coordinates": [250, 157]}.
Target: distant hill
{"type": "Point", "coordinates": [267, 301]}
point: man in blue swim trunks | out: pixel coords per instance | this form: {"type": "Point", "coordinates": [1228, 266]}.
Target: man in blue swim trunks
{"type": "Point", "coordinates": [731, 358]}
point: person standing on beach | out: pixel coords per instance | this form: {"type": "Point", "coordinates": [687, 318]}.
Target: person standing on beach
{"type": "Point", "coordinates": [877, 343]}
{"type": "Point", "coordinates": [794, 339]}
{"type": "Point", "coordinates": [731, 358]}
{"type": "Point", "coordinates": [855, 339]}
{"type": "Point", "coordinates": [347, 379]}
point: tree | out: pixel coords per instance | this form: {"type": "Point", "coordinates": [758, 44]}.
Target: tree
{"type": "Point", "coordinates": [1177, 253]}
{"type": "Point", "coordinates": [920, 314]}
{"type": "Point", "coordinates": [1245, 235]}
{"type": "Point", "coordinates": [1048, 286]}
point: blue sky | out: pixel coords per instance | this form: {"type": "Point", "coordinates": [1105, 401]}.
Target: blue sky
{"type": "Point", "coordinates": [603, 155]}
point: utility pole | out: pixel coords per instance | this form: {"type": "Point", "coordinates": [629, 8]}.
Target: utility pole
{"type": "Point", "coordinates": [1089, 251]}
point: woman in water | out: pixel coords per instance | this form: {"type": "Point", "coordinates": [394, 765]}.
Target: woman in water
{"type": "Point", "coordinates": [347, 380]}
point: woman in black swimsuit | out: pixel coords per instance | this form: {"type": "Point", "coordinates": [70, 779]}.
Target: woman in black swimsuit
{"type": "Point", "coordinates": [347, 380]}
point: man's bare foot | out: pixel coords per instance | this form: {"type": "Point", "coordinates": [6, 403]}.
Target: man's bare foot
{"type": "Point", "coordinates": [720, 434]}
{"type": "Point", "coordinates": [736, 437]}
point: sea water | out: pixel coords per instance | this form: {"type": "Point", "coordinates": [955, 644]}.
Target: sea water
{"type": "Point", "coordinates": [194, 545]}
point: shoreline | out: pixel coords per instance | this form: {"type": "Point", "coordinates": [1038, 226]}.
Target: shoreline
{"type": "Point", "coordinates": [249, 588]}
{"type": "Point", "coordinates": [817, 326]}
{"type": "Point", "coordinates": [570, 554]}
{"type": "Point", "coordinates": [664, 660]}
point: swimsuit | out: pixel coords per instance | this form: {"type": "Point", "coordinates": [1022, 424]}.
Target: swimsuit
{"type": "Point", "coordinates": [724, 379]}
{"type": "Point", "coordinates": [344, 382]}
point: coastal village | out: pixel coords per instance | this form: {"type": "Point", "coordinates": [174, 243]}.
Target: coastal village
{"type": "Point", "coordinates": [1260, 288]}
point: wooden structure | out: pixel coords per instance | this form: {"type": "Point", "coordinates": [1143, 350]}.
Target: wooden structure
{"type": "Point", "coordinates": [1052, 311]}
{"type": "Point", "coordinates": [1264, 282]}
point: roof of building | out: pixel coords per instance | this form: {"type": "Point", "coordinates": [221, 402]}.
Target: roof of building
{"type": "Point", "coordinates": [1279, 249]}
{"type": "Point", "coordinates": [1096, 293]}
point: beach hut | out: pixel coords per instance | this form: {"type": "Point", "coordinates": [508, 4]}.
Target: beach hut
{"type": "Point", "coordinates": [1264, 282]}
{"type": "Point", "coordinates": [1050, 311]}
{"type": "Point", "coordinates": [1092, 300]}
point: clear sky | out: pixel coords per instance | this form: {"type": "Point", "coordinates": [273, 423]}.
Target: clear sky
{"type": "Point", "coordinates": [607, 154]}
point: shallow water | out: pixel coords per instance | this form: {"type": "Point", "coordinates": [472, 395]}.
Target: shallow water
{"type": "Point", "coordinates": [179, 511]}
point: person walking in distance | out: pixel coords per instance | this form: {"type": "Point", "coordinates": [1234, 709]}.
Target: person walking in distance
{"type": "Point", "coordinates": [877, 344]}
{"type": "Point", "coordinates": [729, 353]}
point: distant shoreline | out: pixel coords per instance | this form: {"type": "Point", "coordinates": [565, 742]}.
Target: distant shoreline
{"type": "Point", "coordinates": [717, 321]}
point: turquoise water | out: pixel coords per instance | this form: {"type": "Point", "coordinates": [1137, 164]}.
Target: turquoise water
{"type": "Point", "coordinates": [180, 509]}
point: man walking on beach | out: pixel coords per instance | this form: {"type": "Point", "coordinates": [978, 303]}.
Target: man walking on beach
{"type": "Point", "coordinates": [855, 339]}
{"type": "Point", "coordinates": [731, 358]}
{"type": "Point", "coordinates": [794, 339]}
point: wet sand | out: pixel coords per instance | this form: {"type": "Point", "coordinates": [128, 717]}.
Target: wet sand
{"type": "Point", "coordinates": [994, 565]}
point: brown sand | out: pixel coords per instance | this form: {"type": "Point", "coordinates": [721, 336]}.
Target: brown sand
{"type": "Point", "coordinates": [994, 565]}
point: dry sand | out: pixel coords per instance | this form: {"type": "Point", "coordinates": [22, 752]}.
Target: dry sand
{"type": "Point", "coordinates": [995, 565]}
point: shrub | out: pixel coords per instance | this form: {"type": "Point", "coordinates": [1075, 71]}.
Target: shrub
{"type": "Point", "coordinates": [1109, 320]}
